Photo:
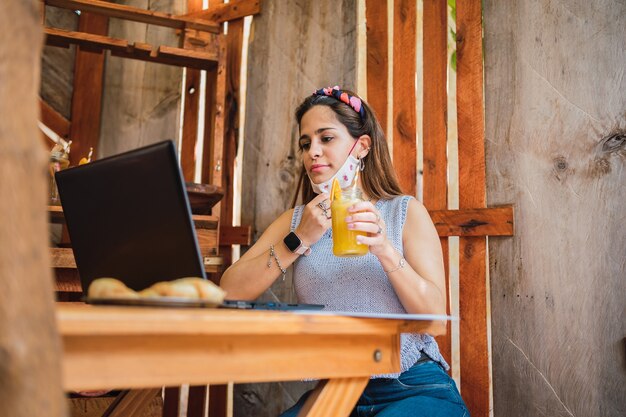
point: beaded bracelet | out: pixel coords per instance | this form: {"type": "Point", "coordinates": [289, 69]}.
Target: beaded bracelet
{"type": "Point", "coordinates": [269, 261]}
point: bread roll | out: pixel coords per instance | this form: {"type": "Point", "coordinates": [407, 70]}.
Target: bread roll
{"type": "Point", "coordinates": [192, 288]}
{"type": "Point", "coordinates": [110, 288]}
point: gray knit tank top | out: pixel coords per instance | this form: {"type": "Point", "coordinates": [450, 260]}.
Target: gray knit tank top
{"type": "Point", "coordinates": [359, 284]}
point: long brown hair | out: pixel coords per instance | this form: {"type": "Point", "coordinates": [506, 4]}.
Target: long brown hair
{"type": "Point", "coordinates": [378, 179]}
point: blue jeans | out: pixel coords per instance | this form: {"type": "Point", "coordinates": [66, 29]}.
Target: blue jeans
{"type": "Point", "coordinates": [424, 390]}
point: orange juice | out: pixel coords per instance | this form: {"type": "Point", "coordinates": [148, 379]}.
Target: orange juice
{"type": "Point", "coordinates": [344, 239]}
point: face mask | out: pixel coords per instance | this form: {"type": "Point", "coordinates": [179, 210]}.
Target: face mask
{"type": "Point", "coordinates": [345, 175]}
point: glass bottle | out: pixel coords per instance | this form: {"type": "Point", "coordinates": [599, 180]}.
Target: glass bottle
{"type": "Point", "coordinates": [59, 160]}
{"type": "Point", "coordinates": [344, 239]}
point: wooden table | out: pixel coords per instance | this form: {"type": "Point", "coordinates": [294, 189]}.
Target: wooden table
{"type": "Point", "coordinates": [136, 347]}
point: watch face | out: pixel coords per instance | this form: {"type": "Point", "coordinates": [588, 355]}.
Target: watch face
{"type": "Point", "coordinates": [292, 241]}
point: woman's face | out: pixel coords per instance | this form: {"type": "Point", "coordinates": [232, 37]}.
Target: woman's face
{"type": "Point", "coordinates": [324, 142]}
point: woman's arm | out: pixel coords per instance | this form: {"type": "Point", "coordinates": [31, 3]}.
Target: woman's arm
{"type": "Point", "coordinates": [420, 285]}
{"type": "Point", "coordinates": [250, 276]}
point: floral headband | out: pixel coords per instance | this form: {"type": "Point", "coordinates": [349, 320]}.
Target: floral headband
{"type": "Point", "coordinates": [344, 97]}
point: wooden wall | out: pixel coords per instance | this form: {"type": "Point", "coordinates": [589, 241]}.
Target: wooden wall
{"type": "Point", "coordinates": [141, 100]}
{"type": "Point", "coordinates": [295, 47]}
{"type": "Point", "coordinates": [555, 93]}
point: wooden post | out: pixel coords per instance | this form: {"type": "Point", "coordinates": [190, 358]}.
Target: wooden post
{"type": "Point", "coordinates": [87, 97]}
{"type": "Point", "coordinates": [435, 129]}
{"type": "Point", "coordinates": [404, 120]}
{"type": "Point", "coordinates": [377, 58]}
{"type": "Point", "coordinates": [475, 379]}
{"type": "Point", "coordinates": [30, 350]}
{"type": "Point", "coordinates": [190, 116]}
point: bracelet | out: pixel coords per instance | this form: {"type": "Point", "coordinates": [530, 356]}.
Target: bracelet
{"type": "Point", "coordinates": [269, 261]}
{"type": "Point", "coordinates": [401, 265]}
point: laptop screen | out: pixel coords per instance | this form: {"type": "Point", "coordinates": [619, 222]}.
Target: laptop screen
{"type": "Point", "coordinates": [128, 217]}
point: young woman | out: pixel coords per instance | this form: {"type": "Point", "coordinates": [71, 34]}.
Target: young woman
{"type": "Point", "coordinates": [402, 273]}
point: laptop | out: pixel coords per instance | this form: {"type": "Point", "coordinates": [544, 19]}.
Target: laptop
{"type": "Point", "coordinates": [128, 217]}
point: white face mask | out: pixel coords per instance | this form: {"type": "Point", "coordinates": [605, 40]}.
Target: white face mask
{"type": "Point", "coordinates": [345, 176]}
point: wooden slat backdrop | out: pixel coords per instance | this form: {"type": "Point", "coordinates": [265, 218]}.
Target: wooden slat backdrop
{"type": "Point", "coordinates": [475, 377]}
{"type": "Point", "coordinates": [404, 109]}
{"type": "Point", "coordinates": [473, 221]}
{"type": "Point", "coordinates": [435, 180]}
{"type": "Point", "coordinates": [377, 58]}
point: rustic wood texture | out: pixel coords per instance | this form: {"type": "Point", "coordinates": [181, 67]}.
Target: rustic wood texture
{"type": "Point", "coordinates": [233, 10]}
{"type": "Point", "coordinates": [493, 221]}
{"type": "Point", "coordinates": [135, 14]}
{"type": "Point", "coordinates": [404, 112]}
{"type": "Point", "coordinates": [377, 58]}
{"type": "Point", "coordinates": [87, 92]}
{"type": "Point", "coordinates": [555, 100]}
{"type": "Point", "coordinates": [435, 138]}
{"type": "Point", "coordinates": [171, 401]}
{"type": "Point", "coordinates": [30, 372]}
{"type": "Point", "coordinates": [141, 103]}
{"type": "Point", "coordinates": [289, 41]}
{"type": "Point", "coordinates": [474, 351]}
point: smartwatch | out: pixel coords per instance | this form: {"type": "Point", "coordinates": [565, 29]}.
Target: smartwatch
{"type": "Point", "coordinates": [294, 244]}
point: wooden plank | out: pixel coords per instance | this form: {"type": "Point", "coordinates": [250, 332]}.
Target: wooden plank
{"type": "Point", "coordinates": [404, 111]}
{"type": "Point", "coordinates": [191, 103]}
{"type": "Point", "coordinates": [377, 58]}
{"type": "Point", "coordinates": [53, 119]}
{"type": "Point", "coordinates": [232, 10]}
{"type": "Point", "coordinates": [342, 394]}
{"type": "Point", "coordinates": [135, 14]}
{"type": "Point", "coordinates": [141, 51]}
{"type": "Point", "coordinates": [87, 93]}
{"type": "Point", "coordinates": [235, 235]}
{"type": "Point", "coordinates": [494, 221]}
{"type": "Point", "coordinates": [132, 403]}
{"type": "Point", "coordinates": [214, 139]}
{"type": "Point", "coordinates": [435, 179]}
{"type": "Point", "coordinates": [171, 401]}
{"type": "Point", "coordinates": [475, 374]}
{"type": "Point", "coordinates": [218, 400]}
{"type": "Point", "coordinates": [196, 401]}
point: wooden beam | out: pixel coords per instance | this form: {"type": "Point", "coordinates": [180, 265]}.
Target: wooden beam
{"type": "Point", "coordinates": [435, 179]}
{"type": "Point", "coordinates": [475, 375]}
{"type": "Point", "coordinates": [87, 92]}
{"type": "Point", "coordinates": [235, 235]}
{"type": "Point", "coordinates": [497, 221]}
{"type": "Point", "coordinates": [191, 100]}
{"type": "Point", "coordinates": [142, 51]}
{"type": "Point", "coordinates": [53, 119]}
{"type": "Point", "coordinates": [233, 10]}
{"type": "Point", "coordinates": [213, 154]}
{"type": "Point", "coordinates": [31, 350]}
{"type": "Point", "coordinates": [136, 14]}
{"type": "Point", "coordinates": [404, 69]}
{"type": "Point", "coordinates": [377, 58]}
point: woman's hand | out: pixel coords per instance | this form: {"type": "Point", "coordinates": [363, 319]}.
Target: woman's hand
{"type": "Point", "coordinates": [366, 218]}
{"type": "Point", "coordinates": [315, 220]}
